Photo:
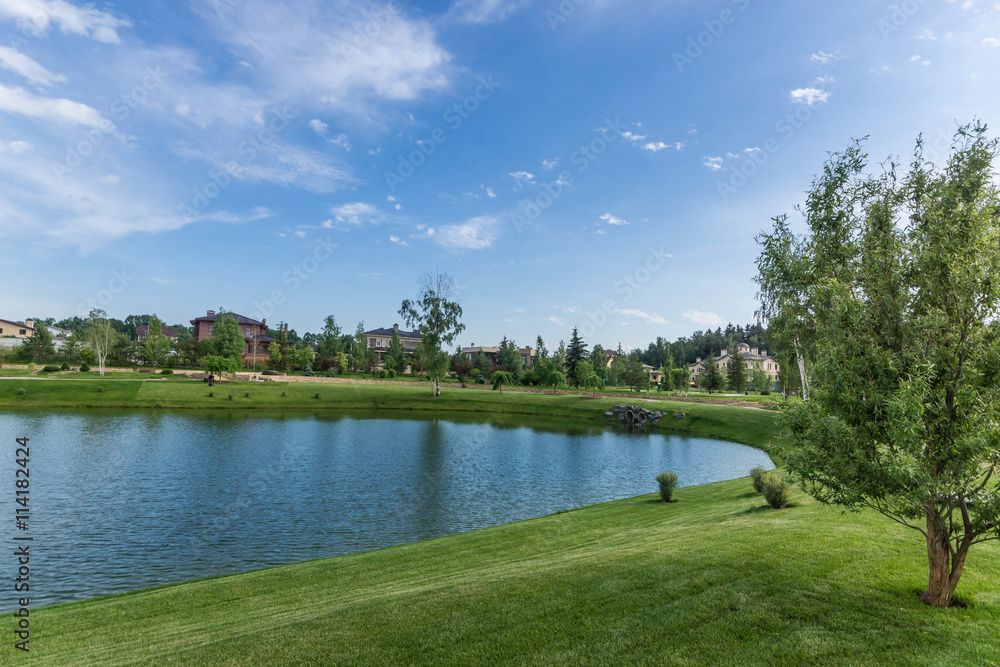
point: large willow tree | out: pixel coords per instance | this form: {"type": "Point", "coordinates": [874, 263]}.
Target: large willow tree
{"type": "Point", "coordinates": [895, 287]}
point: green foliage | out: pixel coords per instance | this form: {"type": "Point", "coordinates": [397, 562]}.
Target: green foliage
{"type": "Point", "coordinates": [482, 364]}
{"type": "Point", "coordinates": [308, 371]}
{"type": "Point", "coordinates": [156, 346]}
{"type": "Point", "coordinates": [64, 366]}
{"type": "Point", "coordinates": [500, 378]}
{"type": "Point", "coordinates": [329, 344]}
{"type": "Point", "coordinates": [776, 490]}
{"type": "Point", "coordinates": [592, 381]}
{"type": "Point", "coordinates": [275, 360]}
{"type": "Point", "coordinates": [736, 372]}
{"type": "Point", "coordinates": [39, 348]}
{"type": "Point", "coordinates": [217, 365]}
{"type": "Point", "coordinates": [302, 356]}
{"type": "Point", "coordinates": [84, 368]}
{"type": "Point", "coordinates": [51, 368]}
{"type": "Point", "coordinates": [461, 366]}
{"type": "Point", "coordinates": [437, 316]}
{"type": "Point", "coordinates": [395, 352]}
{"type": "Point", "coordinates": [576, 353]}
{"type": "Point", "coordinates": [166, 371]}
{"type": "Point", "coordinates": [711, 376]}
{"type": "Point", "coordinates": [898, 276]}
{"type": "Point", "coordinates": [510, 359]}
{"type": "Point", "coordinates": [227, 338]}
{"type": "Point", "coordinates": [668, 482]}
{"type": "Point", "coordinates": [757, 477]}
{"type": "Point", "coordinates": [101, 336]}
{"type": "Point", "coordinates": [680, 378]}
{"type": "Point", "coordinates": [391, 372]}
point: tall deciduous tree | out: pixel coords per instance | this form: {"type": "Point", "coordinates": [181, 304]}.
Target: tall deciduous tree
{"type": "Point", "coordinates": [437, 316]}
{"type": "Point", "coordinates": [101, 336]}
{"type": "Point", "coordinates": [329, 345]}
{"type": "Point", "coordinates": [903, 302]}
{"type": "Point", "coordinates": [156, 346]}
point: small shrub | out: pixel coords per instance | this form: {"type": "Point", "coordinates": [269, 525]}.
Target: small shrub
{"type": "Point", "coordinates": [84, 368]}
{"type": "Point", "coordinates": [100, 390]}
{"type": "Point", "coordinates": [757, 475]}
{"type": "Point", "coordinates": [211, 394]}
{"type": "Point", "coordinates": [166, 371]}
{"type": "Point", "coordinates": [330, 373]}
{"type": "Point", "coordinates": [480, 380]}
{"type": "Point", "coordinates": [64, 367]}
{"type": "Point", "coordinates": [765, 392]}
{"type": "Point", "coordinates": [668, 482]}
{"type": "Point", "coordinates": [316, 396]}
{"type": "Point", "coordinates": [247, 395]}
{"type": "Point", "coordinates": [381, 374]}
{"type": "Point", "coordinates": [230, 397]}
{"type": "Point", "coordinates": [776, 490]}
{"type": "Point", "coordinates": [392, 372]}
{"type": "Point", "coordinates": [50, 369]}
{"type": "Point", "coordinates": [282, 393]}
{"type": "Point", "coordinates": [22, 391]}
{"type": "Point", "coordinates": [308, 371]}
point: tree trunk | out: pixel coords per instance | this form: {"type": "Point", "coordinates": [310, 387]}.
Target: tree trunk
{"type": "Point", "coordinates": [943, 572]}
{"type": "Point", "coordinates": [802, 369]}
{"type": "Point", "coordinates": [437, 388]}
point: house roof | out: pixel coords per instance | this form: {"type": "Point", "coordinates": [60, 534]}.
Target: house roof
{"type": "Point", "coordinates": [388, 333]}
{"type": "Point", "coordinates": [143, 329]}
{"type": "Point", "coordinates": [16, 323]}
{"type": "Point", "coordinates": [240, 319]}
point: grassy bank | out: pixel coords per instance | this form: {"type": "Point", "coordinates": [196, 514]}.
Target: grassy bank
{"type": "Point", "coordinates": [748, 426]}
{"type": "Point", "coordinates": [712, 579]}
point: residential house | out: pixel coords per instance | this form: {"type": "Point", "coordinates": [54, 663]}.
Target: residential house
{"type": "Point", "coordinates": [254, 334]}
{"type": "Point", "coordinates": [142, 331]}
{"type": "Point", "coordinates": [528, 355]}
{"type": "Point", "coordinates": [378, 340]}
{"type": "Point", "coordinates": [752, 357]}
{"type": "Point", "coordinates": [13, 332]}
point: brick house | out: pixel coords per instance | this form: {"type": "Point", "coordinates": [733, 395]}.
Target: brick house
{"type": "Point", "coordinates": [254, 335]}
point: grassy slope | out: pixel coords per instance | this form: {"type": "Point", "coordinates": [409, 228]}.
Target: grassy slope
{"type": "Point", "coordinates": [712, 579]}
{"type": "Point", "coordinates": [740, 424]}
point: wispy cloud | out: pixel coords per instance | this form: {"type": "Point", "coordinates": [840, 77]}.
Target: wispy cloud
{"type": "Point", "coordinates": [63, 111]}
{"type": "Point", "coordinates": [479, 12]}
{"type": "Point", "coordinates": [15, 61]}
{"type": "Point", "coordinates": [613, 220]}
{"type": "Point", "coordinates": [641, 314]}
{"type": "Point", "coordinates": [713, 163]}
{"type": "Point", "coordinates": [703, 318]}
{"type": "Point", "coordinates": [809, 96]}
{"type": "Point", "coordinates": [39, 15]}
{"type": "Point", "coordinates": [473, 234]}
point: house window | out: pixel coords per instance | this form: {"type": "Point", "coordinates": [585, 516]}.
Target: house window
{"type": "Point", "coordinates": [249, 333]}
{"type": "Point", "coordinates": [23, 332]}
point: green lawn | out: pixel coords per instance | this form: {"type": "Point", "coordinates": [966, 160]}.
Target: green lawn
{"type": "Point", "coordinates": [732, 423]}
{"type": "Point", "coordinates": [711, 579]}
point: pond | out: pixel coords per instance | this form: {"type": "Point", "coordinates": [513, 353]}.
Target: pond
{"type": "Point", "coordinates": [128, 499]}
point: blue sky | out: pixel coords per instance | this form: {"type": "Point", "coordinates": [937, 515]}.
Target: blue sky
{"type": "Point", "coordinates": [594, 163]}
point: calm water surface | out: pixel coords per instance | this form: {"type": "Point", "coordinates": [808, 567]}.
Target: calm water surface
{"type": "Point", "coordinates": [132, 499]}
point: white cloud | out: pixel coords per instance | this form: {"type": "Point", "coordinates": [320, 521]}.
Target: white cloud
{"type": "Point", "coordinates": [549, 164]}
{"type": "Point", "coordinates": [809, 96]}
{"type": "Point", "coordinates": [613, 220]}
{"type": "Point", "coordinates": [918, 59]}
{"type": "Point", "coordinates": [633, 137]}
{"type": "Point", "coordinates": [824, 58]}
{"type": "Point", "coordinates": [655, 146]}
{"type": "Point", "coordinates": [66, 112]}
{"type": "Point", "coordinates": [560, 321]}
{"type": "Point", "coordinates": [489, 192]}
{"type": "Point", "coordinates": [309, 51]}
{"type": "Point", "coordinates": [111, 179]}
{"type": "Point", "coordinates": [473, 234]}
{"type": "Point", "coordinates": [14, 147]}
{"type": "Point", "coordinates": [698, 317]}
{"type": "Point", "coordinates": [319, 127]}
{"type": "Point", "coordinates": [927, 34]}
{"type": "Point", "coordinates": [39, 15]}
{"type": "Point", "coordinates": [17, 62]}
{"type": "Point", "coordinates": [522, 176]}
{"type": "Point", "coordinates": [356, 213]}
{"type": "Point", "coordinates": [480, 12]}
{"type": "Point", "coordinates": [713, 163]}
{"type": "Point", "coordinates": [649, 317]}
{"type": "Point", "coordinates": [396, 239]}
{"type": "Point", "coordinates": [991, 41]}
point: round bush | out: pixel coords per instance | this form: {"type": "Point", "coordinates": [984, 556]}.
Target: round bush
{"type": "Point", "coordinates": [392, 372]}
{"type": "Point", "coordinates": [757, 475]}
{"type": "Point", "coordinates": [84, 368]}
{"type": "Point", "coordinates": [166, 371]}
{"type": "Point", "coordinates": [308, 371]}
{"type": "Point", "coordinates": [64, 367]}
{"type": "Point", "coordinates": [50, 369]}
{"type": "Point", "coordinates": [776, 490]}
{"type": "Point", "coordinates": [668, 482]}
{"type": "Point", "coordinates": [381, 374]}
